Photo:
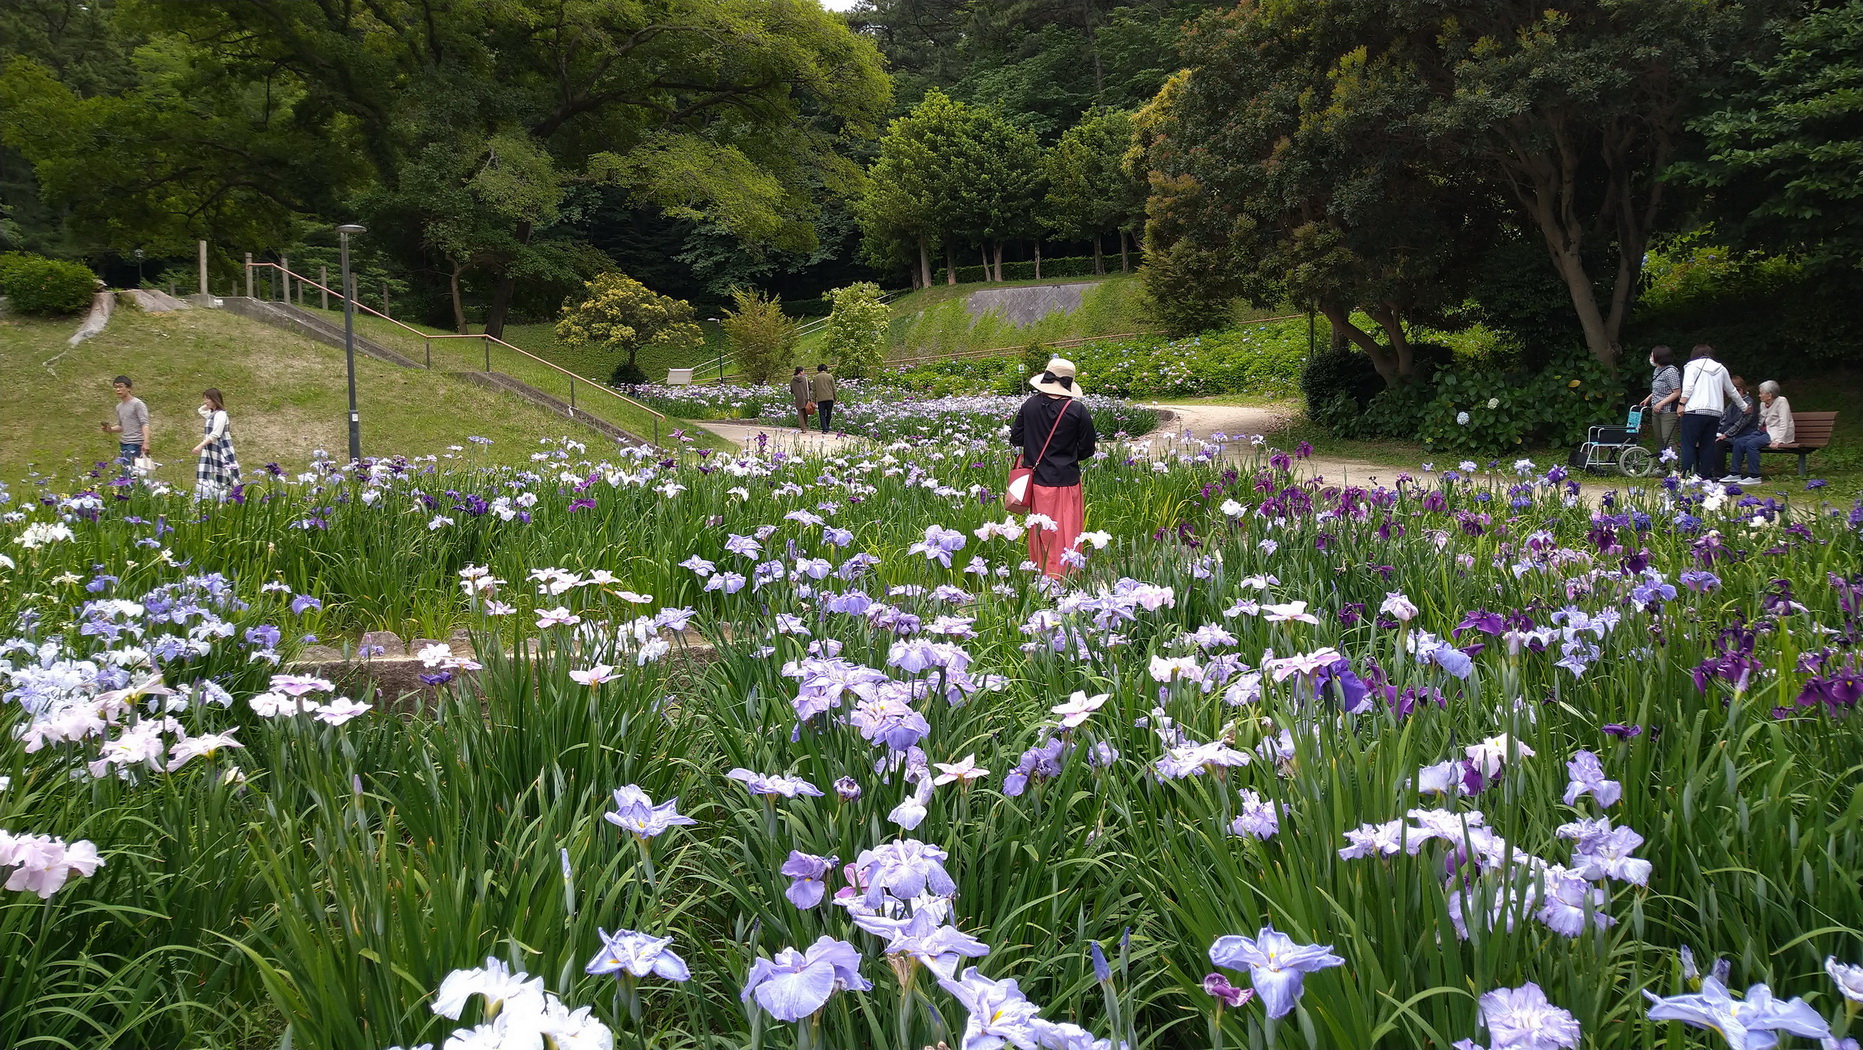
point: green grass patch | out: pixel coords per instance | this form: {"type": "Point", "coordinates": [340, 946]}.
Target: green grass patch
{"type": "Point", "coordinates": [468, 355]}
{"type": "Point", "coordinates": [286, 395]}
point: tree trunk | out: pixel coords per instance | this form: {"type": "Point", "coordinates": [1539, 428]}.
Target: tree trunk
{"type": "Point", "coordinates": [999, 261]}
{"type": "Point", "coordinates": [1545, 182]}
{"type": "Point", "coordinates": [984, 250]}
{"type": "Point", "coordinates": [1381, 359]}
{"type": "Point", "coordinates": [1099, 263]}
{"type": "Point", "coordinates": [950, 263]}
{"type": "Point", "coordinates": [507, 286]}
{"type": "Point", "coordinates": [1125, 264]}
{"type": "Point", "coordinates": [459, 306]}
{"type": "Point", "coordinates": [924, 273]}
{"type": "Point", "coordinates": [1038, 258]}
{"type": "Point", "coordinates": [1386, 316]}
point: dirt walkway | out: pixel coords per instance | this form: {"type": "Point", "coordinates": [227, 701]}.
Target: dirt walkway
{"type": "Point", "coordinates": [1204, 421]}
{"type": "Point", "coordinates": [745, 435]}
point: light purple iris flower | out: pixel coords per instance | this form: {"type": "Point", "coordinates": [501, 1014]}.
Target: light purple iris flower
{"type": "Point", "coordinates": [905, 869]}
{"type": "Point", "coordinates": [1602, 851]}
{"type": "Point", "coordinates": [773, 784]}
{"type": "Point", "coordinates": [1746, 1025]}
{"type": "Point", "coordinates": [743, 546]}
{"type": "Point", "coordinates": [1586, 775]}
{"type": "Point", "coordinates": [810, 878]}
{"type": "Point", "coordinates": [637, 954]}
{"type": "Point", "coordinates": [926, 938]}
{"type": "Point", "coordinates": [795, 984]}
{"type": "Point", "coordinates": [1276, 965]}
{"type": "Point", "coordinates": [939, 544]}
{"type": "Point", "coordinates": [1522, 1019]}
{"type": "Point", "coordinates": [636, 812]}
{"type": "Point", "coordinates": [1000, 1015]}
{"type": "Point", "coordinates": [1259, 817]}
{"type": "Point", "coordinates": [1569, 896]}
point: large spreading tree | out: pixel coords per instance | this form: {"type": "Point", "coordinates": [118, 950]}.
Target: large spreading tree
{"type": "Point", "coordinates": [734, 112]}
{"type": "Point", "coordinates": [1353, 153]}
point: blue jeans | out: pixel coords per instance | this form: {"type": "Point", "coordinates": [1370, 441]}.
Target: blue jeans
{"type": "Point", "coordinates": [1698, 453]}
{"type": "Point", "coordinates": [1747, 451]}
{"type": "Point", "coordinates": [126, 453]}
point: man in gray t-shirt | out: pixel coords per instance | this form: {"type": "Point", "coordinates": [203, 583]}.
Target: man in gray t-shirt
{"type": "Point", "coordinates": [132, 423]}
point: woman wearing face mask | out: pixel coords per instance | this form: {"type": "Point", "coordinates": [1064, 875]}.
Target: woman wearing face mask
{"type": "Point", "coordinates": [217, 475]}
{"type": "Point", "coordinates": [1665, 391]}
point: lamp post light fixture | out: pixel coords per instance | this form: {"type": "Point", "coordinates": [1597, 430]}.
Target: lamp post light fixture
{"type": "Point", "coordinates": [721, 350]}
{"type": "Point", "coordinates": [349, 339]}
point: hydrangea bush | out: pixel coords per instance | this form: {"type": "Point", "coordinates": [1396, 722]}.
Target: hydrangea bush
{"type": "Point", "coordinates": [765, 750]}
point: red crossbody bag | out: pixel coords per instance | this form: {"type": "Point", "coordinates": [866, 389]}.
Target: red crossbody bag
{"type": "Point", "coordinates": [1021, 478]}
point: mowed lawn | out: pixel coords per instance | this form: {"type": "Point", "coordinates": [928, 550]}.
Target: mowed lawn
{"type": "Point", "coordinates": [286, 396]}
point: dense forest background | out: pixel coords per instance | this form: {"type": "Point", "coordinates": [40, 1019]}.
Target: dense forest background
{"type": "Point", "coordinates": [1387, 164]}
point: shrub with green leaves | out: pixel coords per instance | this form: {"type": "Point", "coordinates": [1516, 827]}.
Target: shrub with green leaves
{"type": "Point", "coordinates": [45, 287]}
{"type": "Point", "coordinates": [855, 342]}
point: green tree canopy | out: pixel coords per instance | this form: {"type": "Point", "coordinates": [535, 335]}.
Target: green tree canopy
{"type": "Point", "coordinates": [1784, 152]}
{"type": "Point", "coordinates": [622, 315]}
{"type": "Point", "coordinates": [1090, 191]}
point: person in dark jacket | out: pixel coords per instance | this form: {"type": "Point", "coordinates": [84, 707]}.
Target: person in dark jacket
{"type": "Point", "coordinates": [1055, 433]}
{"type": "Point", "coordinates": [1737, 420]}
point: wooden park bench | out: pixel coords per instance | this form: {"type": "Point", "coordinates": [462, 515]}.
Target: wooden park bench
{"type": "Point", "coordinates": [1813, 430]}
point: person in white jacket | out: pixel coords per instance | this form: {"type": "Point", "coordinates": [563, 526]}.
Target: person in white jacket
{"type": "Point", "coordinates": [1707, 389]}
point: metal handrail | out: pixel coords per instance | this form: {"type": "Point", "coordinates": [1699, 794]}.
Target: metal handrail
{"type": "Point", "coordinates": [658, 416]}
{"type": "Point", "coordinates": [428, 338]}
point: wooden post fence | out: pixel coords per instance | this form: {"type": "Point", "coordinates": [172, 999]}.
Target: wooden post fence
{"type": "Point", "coordinates": [323, 279]}
{"type": "Point", "coordinates": [248, 275]}
{"type": "Point", "coordinates": [203, 259]}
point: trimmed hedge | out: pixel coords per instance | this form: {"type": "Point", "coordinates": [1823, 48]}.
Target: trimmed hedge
{"type": "Point", "coordinates": [45, 287]}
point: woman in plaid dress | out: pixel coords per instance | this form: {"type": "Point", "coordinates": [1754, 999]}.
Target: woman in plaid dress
{"type": "Point", "coordinates": [218, 473]}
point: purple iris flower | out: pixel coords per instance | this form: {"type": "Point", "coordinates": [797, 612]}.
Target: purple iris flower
{"type": "Point", "coordinates": [1603, 852]}
{"type": "Point", "coordinates": [742, 546]}
{"type": "Point", "coordinates": [1218, 987]}
{"type": "Point", "coordinates": [925, 938]}
{"type": "Point", "coordinates": [636, 812]}
{"type": "Point", "coordinates": [904, 868]}
{"type": "Point", "coordinates": [939, 544]}
{"type": "Point", "coordinates": [1586, 777]}
{"type": "Point", "coordinates": [810, 878]}
{"type": "Point", "coordinates": [303, 602]}
{"type": "Point", "coordinates": [1042, 760]}
{"type": "Point", "coordinates": [773, 784]}
{"type": "Point", "coordinates": [1522, 1019]}
{"type": "Point", "coordinates": [847, 789]}
{"type": "Point", "coordinates": [794, 984]}
{"type": "Point", "coordinates": [1481, 620]}
{"type": "Point", "coordinates": [1000, 1015]}
{"type": "Point", "coordinates": [1746, 1025]}
{"type": "Point", "coordinates": [1839, 691]}
{"type": "Point", "coordinates": [637, 955]}
{"type": "Point", "coordinates": [1621, 731]}
{"type": "Point", "coordinates": [1276, 965]}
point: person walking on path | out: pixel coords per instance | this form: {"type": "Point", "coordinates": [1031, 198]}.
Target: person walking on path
{"type": "Point", "coordinates": [1055, 432]}
{"type": "Point", "coordinates": [799, 393]}
{"type": "Point", "coordinates": [1665, 391]}
{"type": "Point", "coordinates": [217, 474]}
{"type": "Point", "coordinates": [1706, 390]}
{"type": "Point", "coordinates": [821, 390]}
{"type": "Point", "coordinates": [131, 426]}
{"type": "Point", "coordinates": [1737, 421]}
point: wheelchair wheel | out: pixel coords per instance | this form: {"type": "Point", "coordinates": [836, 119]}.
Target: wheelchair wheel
{"type": "Point", "coordinates": [1635, 461]}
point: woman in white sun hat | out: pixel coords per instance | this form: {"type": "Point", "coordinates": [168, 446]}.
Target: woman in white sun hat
{"type": "Point", "coordinates": [1054, 432]}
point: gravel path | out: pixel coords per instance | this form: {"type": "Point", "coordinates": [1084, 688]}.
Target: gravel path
{"type": "Point", "coordinates": [1203, 420]}
{"type": "Point", "coordinates": [787, 438]}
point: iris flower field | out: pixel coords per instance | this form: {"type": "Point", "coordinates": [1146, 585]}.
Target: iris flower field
{"type": "Point", "coordinates": [761, 750]}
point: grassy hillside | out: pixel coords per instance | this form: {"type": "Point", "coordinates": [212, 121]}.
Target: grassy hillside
{"type": "Point", "coordinates": [938, 320]}
{"type": "Point", "coordinates": [466, 355]}
{"type": "Point", "coordinates": [286, 395]}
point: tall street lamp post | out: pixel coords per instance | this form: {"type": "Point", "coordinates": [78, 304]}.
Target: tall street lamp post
{"type": "Point", "coordinates": [349, 340]}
